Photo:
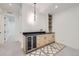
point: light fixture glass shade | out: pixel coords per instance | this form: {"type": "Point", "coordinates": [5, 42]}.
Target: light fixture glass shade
{"type": "Point", "coordinates": [34, 11]}
{"type": "Point", "coordinates": [32, 16]}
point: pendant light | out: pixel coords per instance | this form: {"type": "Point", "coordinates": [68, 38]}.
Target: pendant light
{"type": "Point", "coordinates": [34, 11]}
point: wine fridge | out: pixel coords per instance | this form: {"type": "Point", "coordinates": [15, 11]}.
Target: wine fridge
{"type": "Point", "coordinates": [31, 42]}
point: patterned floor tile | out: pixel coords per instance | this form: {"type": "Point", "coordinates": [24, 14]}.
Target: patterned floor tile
{"type": "Point", "coordinates": [48, 50]}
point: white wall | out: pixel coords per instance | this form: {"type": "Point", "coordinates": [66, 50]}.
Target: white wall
{"type": "Point", "coordinates": [28, 25]}
{"type": "Point", "coordinates": [66, 27]}
{"type": "Point", "coordinates": [40, 23]}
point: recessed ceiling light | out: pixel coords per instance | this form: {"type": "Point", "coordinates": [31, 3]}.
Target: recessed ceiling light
{"type": "Point", "coordinates": [56, 6]}
{"type": "Point", "coordinates": [10, 4]}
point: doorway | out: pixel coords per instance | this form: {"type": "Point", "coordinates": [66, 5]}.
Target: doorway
{"type": "Point", "coordinates": [9, 28]}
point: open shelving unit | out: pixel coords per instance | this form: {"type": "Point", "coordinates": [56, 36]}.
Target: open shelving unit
{"type": "Point", "coordinates": [50, 23]}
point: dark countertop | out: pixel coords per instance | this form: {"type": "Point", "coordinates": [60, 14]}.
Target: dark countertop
{"type": "Point", "coordinates": [35, 33]}
{"type": "Point", "coordinates": [43, 32]}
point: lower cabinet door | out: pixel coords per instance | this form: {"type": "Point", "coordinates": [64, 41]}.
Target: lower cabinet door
{"type": "Point", "coordinates": [34, 41]}
{"type": "Point", "coordinates": [44, 39]}
{"type": "Point", "coordinates": [29, 43]}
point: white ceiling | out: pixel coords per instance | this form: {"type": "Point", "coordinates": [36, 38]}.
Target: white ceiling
{"type": "Point", "coordinates": [10, 8]}
{"type": "Point", "coordinates": [50, 7]}
{"type": "Point", "coordinates": [41, 7]}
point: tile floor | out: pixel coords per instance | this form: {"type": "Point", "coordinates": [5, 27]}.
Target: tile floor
{"type": "Point", "coordinates": [49, 50]}
{"type": "Point", "coordinates": [68, 51]}
{"type": "Point", "coordinates": [11, 49]}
